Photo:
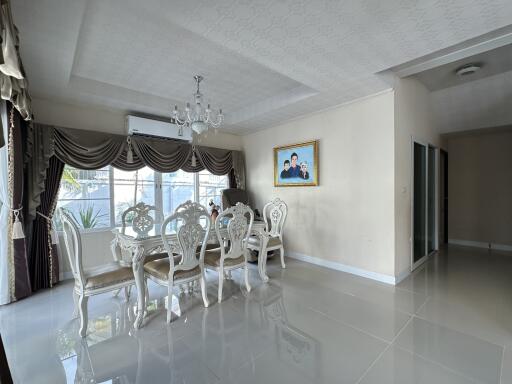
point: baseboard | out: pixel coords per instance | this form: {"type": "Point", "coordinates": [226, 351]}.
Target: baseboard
{"type": "Point", "coordinates": [402, 276]}
{"type": "Point", "coordinates": [481, 244]}
{"type": "Point", "coordinates": [392, 280]}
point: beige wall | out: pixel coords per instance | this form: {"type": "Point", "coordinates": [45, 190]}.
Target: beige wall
{"type": "Point", "coordinates": [349, 218]}
{"type": "Point", "coordinates": [95, 119]}
{"type": "Point", "coordinates": [480, 187]}
{"type": "Point", "coordinates": [413, 119]}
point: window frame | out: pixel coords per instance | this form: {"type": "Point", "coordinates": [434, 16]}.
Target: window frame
{"type": "Point", "coordinates": [157, 193]}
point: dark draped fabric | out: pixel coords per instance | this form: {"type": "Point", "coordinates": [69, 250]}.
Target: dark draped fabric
{"type": "Point", "coordinates": [21, 281]}
{"type": "Point", "coordinates": [88, 150]}
{"type": "Point", "coordinates": [43, 260]}
{"type": "Point", "coordinates": [232, 179]}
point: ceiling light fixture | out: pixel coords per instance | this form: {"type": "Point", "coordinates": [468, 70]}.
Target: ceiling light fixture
{"type": "Point", "coordinates": [468, 69]}
{"type": "Point", "coordinates": [198, 118]}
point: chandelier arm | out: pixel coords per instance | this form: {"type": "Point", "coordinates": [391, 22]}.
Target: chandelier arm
{"type": "Point", "coordinates": [180, 122]}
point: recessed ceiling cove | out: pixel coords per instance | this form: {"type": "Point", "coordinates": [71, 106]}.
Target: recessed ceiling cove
{"type": "Point", "coordinates": [127, 47]}
{"type": "Point", "coordinates": [264, 62]}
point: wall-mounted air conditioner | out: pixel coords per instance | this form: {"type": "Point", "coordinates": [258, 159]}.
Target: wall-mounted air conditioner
{"type": "Point", "coordinates": [147, 127]}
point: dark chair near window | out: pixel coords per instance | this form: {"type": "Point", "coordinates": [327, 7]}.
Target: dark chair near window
{"type": "Point", "coordinates": [231, 196]}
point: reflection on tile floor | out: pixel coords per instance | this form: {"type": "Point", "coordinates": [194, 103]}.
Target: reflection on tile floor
{"type": "Point", "coordinates": [449, 322]}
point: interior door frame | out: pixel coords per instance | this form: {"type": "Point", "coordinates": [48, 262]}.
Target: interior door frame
{"type": "Point", "coordinates": [444, 193]}
{"type": "Point", "coordinates": [427, 145]}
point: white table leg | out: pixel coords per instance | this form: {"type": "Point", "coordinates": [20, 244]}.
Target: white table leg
{"type": "Point", "coordinates": [138, 272]}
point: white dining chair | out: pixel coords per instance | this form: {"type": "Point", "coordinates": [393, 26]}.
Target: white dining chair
{"type": "Point", "coordinates": [274, 214]}
{"type": "Point", "coordinates": [141, 217]}
{"type": "Point", "coordinates": [141, 220]}
{"type": "Point", "coordinates": [90, 282]}
{"type": "Point", "coordinates": [191, 227]}
{"type": "Point", "coordinates": [233, 252]}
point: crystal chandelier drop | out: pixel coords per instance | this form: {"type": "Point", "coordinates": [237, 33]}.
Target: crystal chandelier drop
{"type": "Point", "coordinates": [198, 118]}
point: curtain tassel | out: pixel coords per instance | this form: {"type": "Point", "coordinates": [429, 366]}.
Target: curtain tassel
{"type": "Point", "coordinates": [129, 153]}
{"type": "Point", "coordinates": [17, 227]}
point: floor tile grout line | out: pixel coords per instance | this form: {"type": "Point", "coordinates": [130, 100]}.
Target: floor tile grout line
{"type": "Point", "coordinates": [501, 365]}
{"type": "Point", "coordinates": [367, 301]}
{"type": "Point", "coordinates": [349, 325]}
{"type": "Point", "coordinates": [457, 373]}
{"type": "Point", "coordinates": [415, 354]}
{"type": "Point", "coordinates": [422, 305]}
{"type": "Point", "coordinates": [459, 331]}
{"type": "Point", "coordinates": [383, 352]}
{"type": "Point", "coordinates": [445, 366]}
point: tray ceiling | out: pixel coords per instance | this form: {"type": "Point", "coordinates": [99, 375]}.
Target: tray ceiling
{"type": "Point", "coordinates": [264, 61]}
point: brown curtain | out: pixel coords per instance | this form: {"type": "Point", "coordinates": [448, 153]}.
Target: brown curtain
{"type": "Point", "coordinates": [94, 150]}
{"type": "Point", "coordinates": [232, 179]}
{"type": "Point", "coordinates": [43, 260]}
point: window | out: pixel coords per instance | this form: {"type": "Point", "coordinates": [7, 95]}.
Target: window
{"type": "Point", "coordinates": [97, 199]}
{"type": "Point", "coordinates": [210, 187]}
{"type": "Point", "coordinates": [177, 187]}
{"type": "Point", "coordinates": [132, 187]}
{"type": "Point", "coordinates": [86, 196]}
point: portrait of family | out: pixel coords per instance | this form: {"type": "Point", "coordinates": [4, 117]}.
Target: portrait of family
{"type": "Point", "coordinates": [296, 165]}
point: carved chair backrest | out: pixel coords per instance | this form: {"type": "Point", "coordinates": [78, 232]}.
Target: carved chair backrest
{"type": "Point", "coordinates": [191, 227]}
{"type": "Point", "coordinates": [239, 220]}
{"type": "Point", "coordinates": [142, 222]}
{"type": "Point", "coordinates": [73, 243]}
{"type": "Point", "coordinates": [275, 211]}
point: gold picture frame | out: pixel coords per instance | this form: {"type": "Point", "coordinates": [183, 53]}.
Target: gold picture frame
{"type": "Point", "coordinates": [288, 158]}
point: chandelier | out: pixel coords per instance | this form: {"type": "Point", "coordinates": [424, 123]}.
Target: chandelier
{"type": "Point", "coordinates": [197, 118]}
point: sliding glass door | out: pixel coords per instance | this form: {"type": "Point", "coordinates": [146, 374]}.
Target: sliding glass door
{"type": "Point", "coordinates": [424, 202]}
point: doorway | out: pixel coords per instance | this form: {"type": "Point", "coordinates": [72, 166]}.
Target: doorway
{"type": "Point", "coordinates": [424, 202]}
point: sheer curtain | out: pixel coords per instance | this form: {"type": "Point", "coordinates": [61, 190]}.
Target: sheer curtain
{"type": "Point", "coordinates": [4, 212]}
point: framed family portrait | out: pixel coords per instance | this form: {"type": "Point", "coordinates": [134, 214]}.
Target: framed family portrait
{"type": "Point", "coordinates": [296, 165]}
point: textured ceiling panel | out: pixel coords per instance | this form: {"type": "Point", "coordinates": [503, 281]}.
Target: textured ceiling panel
{"type": "Point", "coordinates": [483, 103]}
{"type": "Point", "coordinates": [119, 46]}
{"type": "Point", "coordinates": [265, 61]}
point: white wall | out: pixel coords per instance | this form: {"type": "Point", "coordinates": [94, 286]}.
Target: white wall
{"type": "Point", "coordinates": [96, 245]}
{"type": "Point", "coordinates": [349, 218]}
{"type": "Point", "coordinates": [413, 119]}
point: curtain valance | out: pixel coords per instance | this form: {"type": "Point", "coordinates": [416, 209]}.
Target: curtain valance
{"type": "Point", "coordinates": [13, 83]}
{"type": "Point", "coordinates": [94, 150]}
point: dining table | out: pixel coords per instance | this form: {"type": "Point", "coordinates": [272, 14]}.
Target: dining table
{"type": "Point", "coordinates": [131, 249]}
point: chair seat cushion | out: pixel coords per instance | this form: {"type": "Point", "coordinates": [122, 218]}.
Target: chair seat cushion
{"type": "Point", "coordinates": [212, 258]}
{"type": "Point", "coordinates": [272, 241]}
{"type": "Point", "coordinates": [157, 256]}
{"type": "Point", "coordinates": [160, 269]}
{"type": "Point", "coordinates": [107, 275]}
{"type": "Point", "coordinates": [208, 246]}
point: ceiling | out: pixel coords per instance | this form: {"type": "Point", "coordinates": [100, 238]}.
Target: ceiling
{"type": "Point", "coordinates": [264, 61]}
{"type": "Point", "coordinates": [493, 62]}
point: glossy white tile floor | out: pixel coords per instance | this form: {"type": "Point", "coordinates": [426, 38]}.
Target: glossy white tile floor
{"type": "Point", "coordinates": [450, 322]}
